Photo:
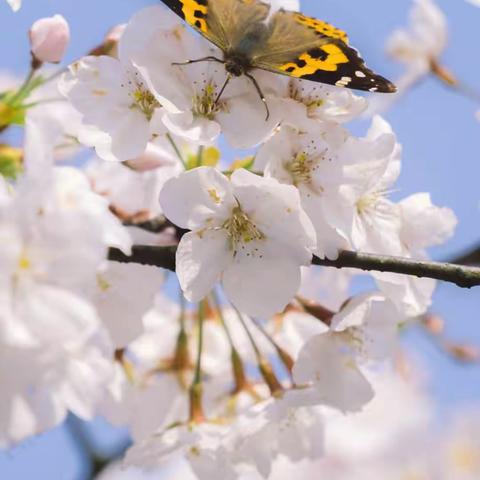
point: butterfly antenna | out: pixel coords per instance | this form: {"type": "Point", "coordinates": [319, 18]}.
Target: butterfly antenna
{"type": "Point", "coordinates": [260, 93]}
{"type": "Point", "coordinates": [220, 93]}
{"type": "Point", "coordinates": [204, 59]}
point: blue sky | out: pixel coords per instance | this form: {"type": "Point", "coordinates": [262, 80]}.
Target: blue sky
{"type": "Point", "coordinates": [441, 141]}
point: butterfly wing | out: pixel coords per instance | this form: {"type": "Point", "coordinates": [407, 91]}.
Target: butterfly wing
{"type": "Point", "coordinates": [320, 27]}
{"type": "Point", "coordinates": [223, 22]}
{"type": "Point", "coordinates": [310, 49]}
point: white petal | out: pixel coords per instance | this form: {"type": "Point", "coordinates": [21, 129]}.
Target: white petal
{"type": "Point", "coordinates": [425, 224]}
{"type": "Point", "coordinates": [334, 374]}
{"type": "Point", "coordinates": [262, 283]}
{"type": "Point", "coordinates": [145, 23]}
{"type": "Point", "coordinates": [198, 198]}
{"type": "Point", "coordinates": [411, 295]}
{"type": "Point", "coordinates": [201, 258]}
{"type": "Point", "coordinates": [276, 210]}
{"type": "Point", "coordinates": [198, 130]}
{"type": "Point", "coordinates": [124, 294]}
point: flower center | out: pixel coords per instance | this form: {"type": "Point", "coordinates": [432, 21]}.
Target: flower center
{"type": "Point", "coordinates": [310, 101]}
{"type": "Point", "coordinates": [205, 104]}
{"type": "Point", "coordinates": [369, 201]}
{"type": "Point", "coordinates": [301, 169]}
{"type": "Point", "coordinates": [145, 101]}
{"type": "Point", "coordinates": [241, 229]}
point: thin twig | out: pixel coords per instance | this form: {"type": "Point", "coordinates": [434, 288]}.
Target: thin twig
{"type": "Point", "coordinates": [465, 277]}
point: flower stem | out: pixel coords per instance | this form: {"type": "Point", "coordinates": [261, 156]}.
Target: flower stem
{"type": "Point", "coordinates": [177, 150]}
{"type": "Point", "coordinates": [181, 360]}
{"type": "Point", "coordinates": [284, 356]}
{"type": "Point", "coordinates": [196, 408]}
{"type": "Point", "coordinates": [264, 366]}
{"type": "Point", "coordinates": [24, 85]}
{"type": "Point", "coordinates": [316, 310]}
{"type": "Point", "coordinates": [238, 367]}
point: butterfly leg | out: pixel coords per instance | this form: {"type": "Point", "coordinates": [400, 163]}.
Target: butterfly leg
{"type": "Point", "coordinates": [204, 59]}
{"type": "Point", "coordinates": [229, 77]}
{"type": "Point", "coordinates": [260, 93]}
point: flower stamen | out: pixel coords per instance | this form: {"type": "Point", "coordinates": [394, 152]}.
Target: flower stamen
{"type": "Point", "coordinates": [241, 229]}
{"type": "Point", "coordinates": [302, 168]}
{"type": "Point", "coordinates": [145, 101]}
{"type": "Point", "coordinates": [205, 103]}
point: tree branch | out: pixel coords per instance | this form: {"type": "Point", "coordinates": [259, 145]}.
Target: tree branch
{"type": "Point", "coordinates": [470, 257]}
{"type": "Point", "coordinates": [465, 277]}
{"type": "Point", "coordinates": [147, 255]}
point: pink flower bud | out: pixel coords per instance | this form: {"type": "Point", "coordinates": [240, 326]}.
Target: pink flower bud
{"type": "Point", "coordinates": [49, 38]}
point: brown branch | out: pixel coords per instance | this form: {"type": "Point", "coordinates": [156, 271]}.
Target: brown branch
{"type": "Point", "coordinates": [163, 257]}
{"type": "Point", "coordinates": [470, 257]}
{"type": "Point", "coordinates": [465, 277]}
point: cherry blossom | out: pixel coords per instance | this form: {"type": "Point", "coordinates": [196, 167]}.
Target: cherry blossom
{"type": "Point", "coordinates": [269, 430]}
{"type": "Point", "coordinates": [364, 329]}
{"type": "Point", "coordinates": [364, 214]}
{"type": "Point", "coordinates": [190, 93]}
{"type": "Point", "coordinates": [103, 89]}
{"type": "Point", "coordinates": [327, 366]}
{"type": "Point", "coordinates": [249, 232]}
{"type": "Point", "coordinates": [314, 166]}
{"type": "Point", "coordinates": [46, 319]}
{"type": "Point", "coordinates": [304, 104]}
{"type": "Point", "coordinates": [422, 43]}
{"type": "Point", "coordinates": [413, 296]}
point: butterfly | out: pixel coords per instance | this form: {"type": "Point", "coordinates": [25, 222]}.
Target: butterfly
{"type": "Point", "coordinates": [285, 42]}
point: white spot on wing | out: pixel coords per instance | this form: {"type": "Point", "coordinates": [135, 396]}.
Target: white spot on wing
{"type": "Point", "coordinates": [343, 82]}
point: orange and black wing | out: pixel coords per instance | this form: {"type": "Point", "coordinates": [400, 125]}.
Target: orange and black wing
{"type": "Point", "coordinates": [311, 49]}
{"type": "Point", "coordinates": [223, 22]}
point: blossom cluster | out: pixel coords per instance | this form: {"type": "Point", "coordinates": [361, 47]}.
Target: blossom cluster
{"type": "Point", "coordinates": [372, 444]}
{"type": "Point", "coordinates": [244, 357]}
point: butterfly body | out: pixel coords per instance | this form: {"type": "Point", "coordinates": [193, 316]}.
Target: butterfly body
{"type": "Point", "coordinates": [236, 64]}
{"type": "Point", "coordinates": [284, 42]}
